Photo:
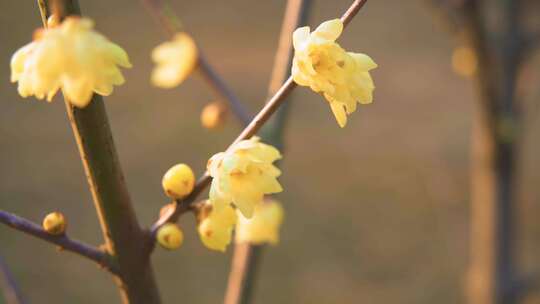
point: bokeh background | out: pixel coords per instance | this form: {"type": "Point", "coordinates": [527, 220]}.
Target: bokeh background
{"type": "Point", "coordinates": [375, 213]}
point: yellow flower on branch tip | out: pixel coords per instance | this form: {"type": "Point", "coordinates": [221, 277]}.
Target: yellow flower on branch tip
{"type": "Point", "coordinates": [323, 65]}
{"type": "Point", "coordinates": [216, 228]}
{"type": "Point", "coordinates": [263, 227]}
{"type": "Point", "coordinates": [175, 60]}
{"type": "Point", "coordinates": [71, 57]}
{"type": "Point", "coordinates": [243, 174]}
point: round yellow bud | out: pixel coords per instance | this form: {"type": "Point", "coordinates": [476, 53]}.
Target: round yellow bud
{"type": "Point", "coordinates": [55, 223]}
{"type": "Point", "coordinates": [179, 181]}
{"type": "Point", "coordinates": [169, 236]}
{"type": "Point", "coordinates": [213, 115]}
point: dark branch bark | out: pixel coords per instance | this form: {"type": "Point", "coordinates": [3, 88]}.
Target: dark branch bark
{"type": "Point", "coordinates": [62, 241]}
{"type": "Point", "coordinates": [124, 239]}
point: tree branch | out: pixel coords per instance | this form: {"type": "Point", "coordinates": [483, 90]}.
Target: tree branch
{"type": "Point", "coordinates": [247, 257]}
{"type": "Point", "coordinates": [171, 24]}
{"type": "Point", "coordinates": [9, 288]}
{"type": "Point", "coordinates": [62, 241]}
{"type": "Point", "coordinates": [124, 239]}
{"type": "Point", "coordinates": [181, 206]}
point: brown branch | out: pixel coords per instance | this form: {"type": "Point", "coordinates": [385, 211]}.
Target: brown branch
{"type": "Point", "coordinates": [246, 258]}
{"type": "Point", "coordinates": [63, 241]}
{"type": "Point", "coordinates": [124, 239]}
{"type": "Point", "coordinates": [254, 126]}
{"type": "Point", "coordinates": [171, 25]}
{"type": "Point", "coordinates": [8, 287]}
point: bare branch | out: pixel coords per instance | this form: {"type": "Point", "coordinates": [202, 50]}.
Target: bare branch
{"type": "Point", "coordinates": [171, 24]}
{"type": "Point", "coordinates": [62, 241]}
{"type": "Point", "coordinates": [222, 89]}
{"type": "Point", "coordinates": [254, 126]}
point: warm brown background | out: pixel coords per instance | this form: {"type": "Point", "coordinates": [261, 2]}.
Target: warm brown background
{"type": "Point", "coordinates": [376, 212]}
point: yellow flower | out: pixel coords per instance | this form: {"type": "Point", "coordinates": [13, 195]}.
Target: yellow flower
{"type": "Point", "coordinates": [323, 65]}
{"type": "Point", "coordinates": [72, 57]}
{"type": "Point", "coordinates": [243, 175]}
{"type": "Point", "coordinates": [216, 229]}
{"type": "Point", "coordinates": [175, 60]}
{"type": "Point", "coordinates": [263, 227]}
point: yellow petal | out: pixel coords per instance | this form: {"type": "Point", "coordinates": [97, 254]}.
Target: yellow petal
{"type": "Point", "coordinates": [339, 113]}
{"type": "Point", "coordinates": [300, 37]}
{"type": "Point", "coordinates": [216, 229]}
{"type": "Point", "coordinates": [175, 60]}
{"type": "Point", "coordinates": [263, 227]}
{"type": "Point", "coordinates": [363, 61]}
{"type": "Point", "coordinates": [329, 30]}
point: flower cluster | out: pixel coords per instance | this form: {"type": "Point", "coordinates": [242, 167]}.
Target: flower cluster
{"type": "Point", "coordinates": [324, 66]}
{"type": "Point", "coordinates": [72, 57]}
{"type": "Point", "coordinates": [216, 227]}
{"type": "Point", "coordinates": [242, 175]}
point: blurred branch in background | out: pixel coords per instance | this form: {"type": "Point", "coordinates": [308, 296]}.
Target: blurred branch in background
{"type": "Point", "coordinates": [246, 257]}
{"type": "Point", "coordinates": [62, 241]}
{"type": "Point", "coordinates": [124, 239]}
{"type": "Point", "coordinates": [501, 49]}
{"type": "Point", "coordinates": [8, 287]}
{"type": "Point", "coordinates": [171, 24]}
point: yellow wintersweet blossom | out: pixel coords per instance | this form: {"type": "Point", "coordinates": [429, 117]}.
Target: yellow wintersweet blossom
{"type": "Point", "coordinates": [175, 60]}
{"type": "Point", "coordinates": [263, 227]}
{"type": "Point", "coordinates": [243, 175]}
{"type": "Point", "coordinates": [323, 65]}
{"type": "Point", "coordinates": [72, 57]}
{"type": "Point", "coordinates": [216, 228]}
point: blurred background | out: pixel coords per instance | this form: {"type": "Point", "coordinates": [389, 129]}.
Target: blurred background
{"type": "Point", "coordinates": [377, 212]}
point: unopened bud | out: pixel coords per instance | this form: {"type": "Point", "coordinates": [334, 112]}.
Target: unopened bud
{"type": "Point", "coordinates": [213, 115]}
{"type": "Point", "coordinates": [54, 223]}
{"type": "Point", "coordinates": [169, 236]}
{"type": "Point", "coordinates": [179, 181]}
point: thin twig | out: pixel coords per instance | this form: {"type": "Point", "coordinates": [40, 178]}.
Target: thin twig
{"type": "Point", "coordinates": [247, 257]}
{"type": "Point", "coordinates": [222, 89]}
{"type": "Point", "coordinates": [8, 286]}
{"type": "Point", "coordinates": [62, 241]}
{"type": "Point", "coordinates": [254, 126]}
{"type": "Point", "coordinates": [171, 24]}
